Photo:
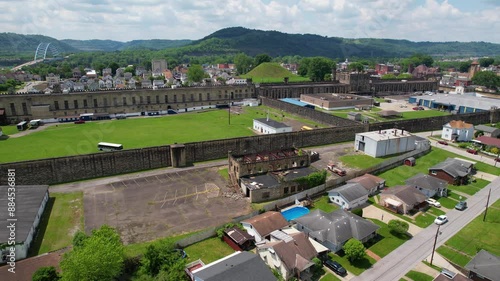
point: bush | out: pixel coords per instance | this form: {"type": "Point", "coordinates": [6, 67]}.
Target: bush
{"type": "Point", "coordinates": [220, 230]}
{"type": "Point", "coordinates": [398, 226]}
{"type": "Point", "coordinates": [463, 145]}
{"type": "Point", "coordinates": [46, 273]}
{"type": "Point", "coordinates": [354, 249]}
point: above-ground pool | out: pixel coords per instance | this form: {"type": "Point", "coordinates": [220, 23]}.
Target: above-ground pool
{"type": "Point", "coordinates": [294, 212]}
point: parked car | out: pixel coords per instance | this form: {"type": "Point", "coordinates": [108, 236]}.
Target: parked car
{"type": "Point", "coordinates": [80, 121]}
{"type": "Point", "coordinates": [471, 151]}
{"type": "Point", "coordinates": [418, 108]}
{"type": "Point", "coordinates": [441, 219]}
{"type": "Point", "coordinates": [443, 142]}
{"type": "Point", "coordinates": [433, 202]}
{"type": "Point", "coordinates": [335, 267]}
{"type": "Point", "coordinates": [462, 205]}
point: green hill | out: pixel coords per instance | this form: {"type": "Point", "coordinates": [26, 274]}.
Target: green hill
{"type": "Point", "coordinates": [18, 45]}
{"type": "Point", "coordinates": [270, 72]}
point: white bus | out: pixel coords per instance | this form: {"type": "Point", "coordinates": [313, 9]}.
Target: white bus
{"type": "Point", "coordinates": [106, 146]}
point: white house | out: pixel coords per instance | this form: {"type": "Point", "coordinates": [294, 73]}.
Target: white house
{"type": "Point", "coordinates": [261, 226]}
{"type": "Point", "coordinates": [458, 130]}
{"type": "Point", "coordinates": [349, 196]}
{"type": "Point", "coordinates": [269, 126]}
{"type": "Point", "coordinates": [30, 204]}
{"type": "Point", "coordinates": [385, 142]}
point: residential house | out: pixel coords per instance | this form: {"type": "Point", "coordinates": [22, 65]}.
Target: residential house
{"type": "Point", "coordinates": [452, 170]}
{"type": "Point", "coordinates": [53, 79]}
{"type": "Point", "coordinates": [139, 70]}
{"type": "Point", "coordinates": [447, 275]}
{"type": "Point", "coordinates": [402, 199]}
{"type": "Point", "coordinates": [370, 182]}
{"type": "Point", "coordinates": [120, 71]}
{"type": "Point", "coordinates": [384, 142]}
{"type": "Point", "coordinates": [107, 71]}
{"type": "Point", "coordinates": [146, 83]}
{"type": "Point", "coordinates": [334, 229]}
{"type": "Point", "coordinates": [241, 266]}
{"type": "Point", "coordinates": [457, 130]}
{"type": "Point", "coordinates": [158, 83]}
{"type": "Point", "coordinates": [430, 186]}
{"type": "Point", "coordinates": [108, 84]}
{"type": "Point", "coordinates": [78, 86]}
{"type": "Point", "coordinates": [261, 226]}
{"type": "Point", "coordinates": [236, 81]}
{"type": "Point", "coordinates": [127, 76]}
{"type": "Point", "coordinates": [131, 83]}
{"type": "Point", "coordinates": [77, 73]}
{"type": "Point", "coordinates": [349, 196]}
{"type": "Point", "coordinates": [488, 131]}
{"type": "Point", "coordinates": [91, 74]}
{"type": "Point", "coordinates": [68, 85]}
{"type": "Point", "coordinates": [290, 254]}
{"type": "Point", "coordinates": [158, 66]}
{"type": "Point", "coordinates": [485, 141]}
{"type": "Point", "coordinates": [93, 85]}
{"type": "Point", "coordinates": [484, 266]}
{"type": "Point", "coordinates": [119, 82]}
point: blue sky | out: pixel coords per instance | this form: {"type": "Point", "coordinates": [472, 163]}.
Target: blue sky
{"type": "Point", "coordinates": [125, 20]}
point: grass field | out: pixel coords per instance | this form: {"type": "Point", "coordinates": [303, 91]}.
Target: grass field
{"type": "Point", "coordinates": [329, 277]}
{"type": "Point", "coordinates": [208, 250]}
{"type": "Point", "coordinates": [72, 139]}
{"type": "Point", "coordinates": [360, 161]}
{"type": "Point", "coordinates": [271, 72]}
{"type": "Point", "coordinates": [356, 267]}
{"type": "Point", "coordinates": [9, 130]}
{"type": "Point", "coordinates": [62, 218]}
{"type": "Point", "coordinates": [138, 249]}
{"type": "Point", "coordinates": [323, 203]}
{"type": "Point", "coordinates": [464, 245]}
{"type": "Point", "coordinates": [388, 242]}
{"type": "Point", "coordinates": [418, 276]}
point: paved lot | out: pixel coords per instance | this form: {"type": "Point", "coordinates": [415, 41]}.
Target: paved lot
{"type": "Point", "coordinates": [146, 208]}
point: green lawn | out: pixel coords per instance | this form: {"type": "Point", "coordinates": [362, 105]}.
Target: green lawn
{"type": "Point", "coordinates": [388, 242]}
{"type": "Point", "coordinates": [466, 243]}
{"type": "Point", "coordinates": [360, 161]}
{"type": "Point", "coordinates": [415, 114]}
{"type": "Point", "coordinates": [224, 173]}
{"type": "Point", "coordinates": [138, 249]}
{"type": "Point", "coordinates": [329, 277]}
{"type": "Point", "coordinates": [470, 188]}
{"type": "Point", "coordinates": [447, 202]}
{"type": "Point", "coordinates": [208, 250]}
{"type": "Point", "coordinates": [418, 276]}
{"type": "Point", "coordinates": [62, 217]}
{"type": "Point", "coordinates": [355, 268]}
{"type": "Point", "coordinates": [9, 130]}
{"type": "Point", "coordinates": [71, 139]}
{"type": "Point", "coordinates": [323, 203]}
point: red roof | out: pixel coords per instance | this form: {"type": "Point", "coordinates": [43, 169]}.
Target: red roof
{"type": "Point", "coordinates": [488, 141]}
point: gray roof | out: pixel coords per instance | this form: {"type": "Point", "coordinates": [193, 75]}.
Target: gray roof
{"type": "Point", "coordinates": [484, 128]}
{"type": "Point", "coordinates": [28, 199]}
{"type": "Point", "coordinates": [427, 182]}
{"type": "Point", "coordinates": [461, 100]}
{"type": "Point", "coordinates": [409, 195]}
{"type": "Point", "coordinates": [272, 123]}
{"type": "Point", "coordinates": [244, 266]}
{"type": "Point", "coordinates": [453, 167]}
{"type": "Point", "coordinates": [485, 264]}
{"type": "Point", "coordinates": [350, 191]}
{"type": "Point", "coordinates": [337, 226]}
{"type": "Point", "coordinates": [261, 181]}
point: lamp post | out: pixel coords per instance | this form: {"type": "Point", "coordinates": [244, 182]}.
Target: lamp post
{"type": "Point", "coordinates": [435, 240]}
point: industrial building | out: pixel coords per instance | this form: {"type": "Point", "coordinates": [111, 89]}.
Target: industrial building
{"type": "Point", "coordinates": [385, 142]}
{"type": "Point", "coordinates": [466, 103]}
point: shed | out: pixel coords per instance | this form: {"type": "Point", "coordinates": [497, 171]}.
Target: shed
{"type": "Point", "coordinates": [354, 116]}
{"type": "Point", "coordinates": [410, 161]}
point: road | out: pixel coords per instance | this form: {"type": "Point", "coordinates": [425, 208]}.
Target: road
{"type": "Point", "coordinates": [407, 256]}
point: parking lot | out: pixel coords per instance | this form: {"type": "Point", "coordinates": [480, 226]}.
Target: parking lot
{"type": "Point", "coordinates": [147, 208]}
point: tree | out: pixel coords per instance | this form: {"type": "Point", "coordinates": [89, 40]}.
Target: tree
{"type": "Point", "coordinates": [243, 63]}
{"type": "Point", "coordinates": [79, 239]}
{"type": "Point", "coordinates": [101, 257]}
{"type": "Point", "coordinates": [130, 69]}
{"type": "Point", "coordinates": [195, 73]}
{"type": "Point", "coordinates": [354, 249]}
{"type": "Point", "coordinates": [114, 66]}
{"type": "Point", "coordinates": [356, 66]}
{"type": "Point", "coordinates": [485, 62]}
{"type": "Point", "coordinates": [388, 76]}
{"type": "Point", "coordinates": [46, 273]}
{"type": "Point", "coordinates": [260, 58]}
{"type": "Point", "coordinates": [464, 66]}
{"type": "Point", "coordinates": [315, 68]}
{"type": "Point", "coordinates": [162, 260]}
{"type": "Point", "coordinates": [398, 226]}
{"type": "Point", "coordinates": [486, 78]}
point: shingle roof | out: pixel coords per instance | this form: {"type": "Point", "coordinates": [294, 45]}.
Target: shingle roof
{"type": "Point", "coordinates": [488, 141]}
{"type": "Point", "coordinates": [337, 226]}
{"type": "Point", "coordinates": [486, 264]}
{"type": "Point", "coordinates": [484, 128]}
{"type": "Point", "coordinates": [238, 235]}
{"type": "Point", "coordinates": [28, 201]}
{"type": "Point", "coordinates": [243, 266]}
{"type": "Point", "coordinates": [296, 253]}
{"type": "Point", "coordinates": [267, 222]}
{"type": "Point", "coordinates": [453, 167]}
{"type": "Point", "coordinates": [351, 191]}
{"type": "Point", "coordinates": [459, 124]}
{"type": "Point", "coordinates": [427, 182]}
{"type": "Point", "coordinates": [368, 181]}
{"type": "Point", "coordinates": [407, 194]}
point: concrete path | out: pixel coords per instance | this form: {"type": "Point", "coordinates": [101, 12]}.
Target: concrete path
{"type": "Point", "coordinates": [373, 212]}
{"type": "Point", "coordinates": [484, 176]}
{"type": "Point", "coordinates": [407, 256]}
{"type": "Point", "coordinates": [422, 267]}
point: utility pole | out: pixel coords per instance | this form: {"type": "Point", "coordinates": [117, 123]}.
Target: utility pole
{"type": "Point", "coordinates": [487, 202]}
{"type": "Point", "coordinates": [435, 240]}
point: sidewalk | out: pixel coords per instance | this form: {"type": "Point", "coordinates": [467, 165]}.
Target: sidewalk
{"type": "Point", "coordinates": [379, 214]}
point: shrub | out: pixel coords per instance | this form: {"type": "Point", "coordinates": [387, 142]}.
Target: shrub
{"type": "Point", "coordinates": [398, 226]}
{"type": "Point", "coordinates": [463, 145]}
{"type": "Point", "coordinates": [354, 249]}
{"type": "Point", "coordinates": [46, 273]}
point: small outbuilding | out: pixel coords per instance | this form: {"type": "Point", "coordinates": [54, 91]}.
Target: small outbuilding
{"type": "Point", "coordinates": [356, 116]}
{"type": "Point", "coordinates": [269, 126]}
{"type": "Point", "coordinates": [410, 161]}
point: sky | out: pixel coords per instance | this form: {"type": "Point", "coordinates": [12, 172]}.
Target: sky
{"type": "Point", "coordinates": [125, 20]}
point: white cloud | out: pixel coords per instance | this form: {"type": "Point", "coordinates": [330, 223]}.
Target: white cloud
{"type": "Point", "coordinates": [124, 20]}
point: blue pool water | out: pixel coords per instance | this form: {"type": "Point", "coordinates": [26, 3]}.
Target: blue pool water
{"type": "Point", "coordinates": [295, 212]}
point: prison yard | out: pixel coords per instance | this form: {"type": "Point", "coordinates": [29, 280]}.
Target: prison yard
{"type": "Point", "coordinates": [64, 139]}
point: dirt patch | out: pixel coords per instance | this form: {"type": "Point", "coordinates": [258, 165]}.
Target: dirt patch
{"type": "Point", "coordinates": [147, 208]}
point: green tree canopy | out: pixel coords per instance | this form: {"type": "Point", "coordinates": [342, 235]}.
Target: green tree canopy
{"type": "Point", "coordinates": [356, 66]}
{"type": "Point", "coordinates": [416, 60]}
{"type": "Point", "coordinates": [354, 249]}
{"type": "Point", "coordinates": [260, 58]}
{"type": "Point", "coordinates": [46, 273]}
{"type": "Point", "coordinates": [243, 63]}
{"type": "Point", "coordinates": [486, 78]}
{"type": "Point", "coordinates": [315, 68]}
{"type": "Point", "coordinates": [388, 76]}
{"type": "Point", "coordinates": [195, 73]}
{"type": "Point", "coordinates": [162, 260]}
{"type": "Point", "coordinates": [100, 257]}
{"type": "Point", "coordinates": [464, 66]}
{"type": "Point", "coordinates": [398, 226]}
{"type": "Point", "coordinates": [485, 62]}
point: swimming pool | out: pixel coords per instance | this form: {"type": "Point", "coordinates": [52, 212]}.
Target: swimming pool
{"type": "Point", "coordinates": [294, 212]}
